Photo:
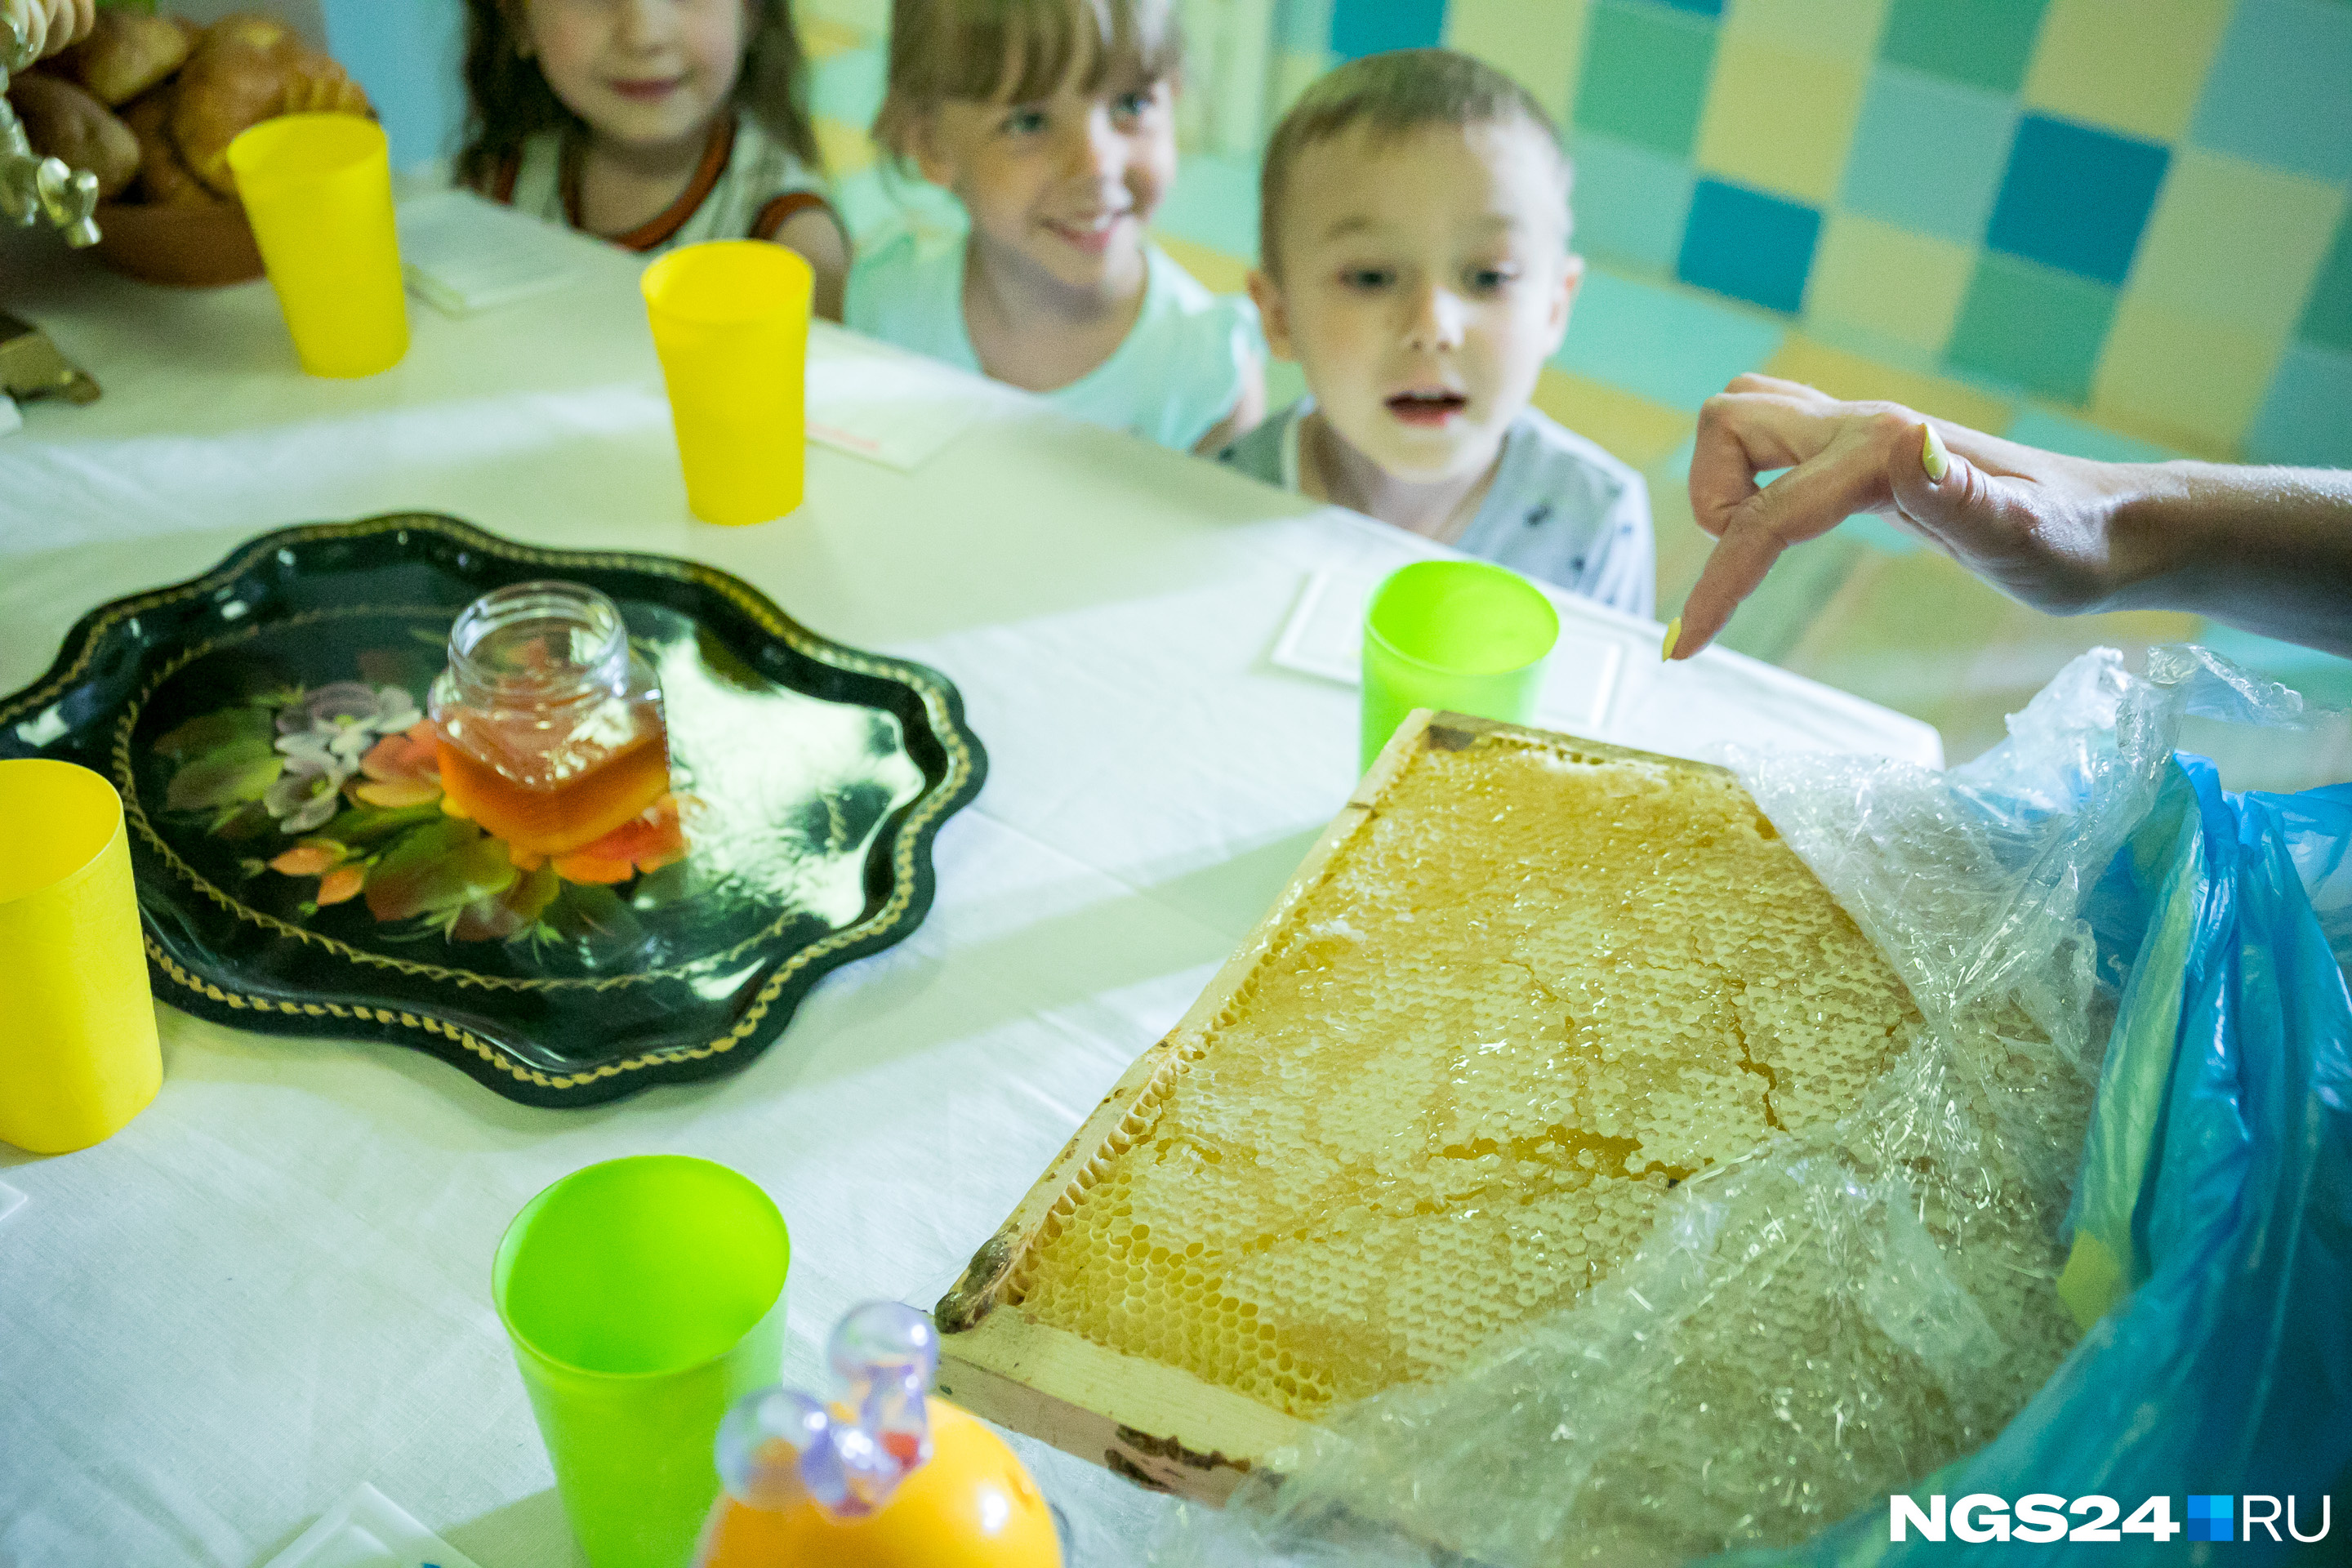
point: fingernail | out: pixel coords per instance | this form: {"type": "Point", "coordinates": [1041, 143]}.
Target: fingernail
{"type": "Point", "coordinates": [1674, 635]}
{"type": "Point", "coordinates": [1933, 458]}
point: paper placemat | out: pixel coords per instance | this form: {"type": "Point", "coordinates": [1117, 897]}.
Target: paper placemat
{"type": "Point", "coordinates": [1325, 636]}
{"type": "Point", "coordinates": [367, 1530]}
{"type": "Point", "coordinates": [11, 1200]}
{"type": "Point", "coordinates": [876, 407]}
{"type": "Point", "coordinates": [464, 254]}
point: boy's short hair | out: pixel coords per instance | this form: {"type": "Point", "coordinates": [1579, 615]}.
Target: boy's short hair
{"type": "Point", "coordinates": [1392, 93]}
{"type": "Point", "coordinates": [1014, 50]}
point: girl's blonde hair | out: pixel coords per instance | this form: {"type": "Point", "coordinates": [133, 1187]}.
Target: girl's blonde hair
{"type": "Point", "coordinates": [1016, 51]}
{"type": "Point", "coordinates": [509, 100]}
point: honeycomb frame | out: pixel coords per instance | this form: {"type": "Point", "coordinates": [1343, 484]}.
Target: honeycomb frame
{"type": "Point", "coordinates": [1158, 1424]}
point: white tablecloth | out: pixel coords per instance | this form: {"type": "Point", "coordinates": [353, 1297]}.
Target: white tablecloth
{"type": "Point", "coordinates": [275, 1282]}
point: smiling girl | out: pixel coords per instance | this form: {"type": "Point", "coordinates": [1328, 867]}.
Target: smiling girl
{"type": "Point", "coordinates": [651, 124]}
{"type": "Point", "coordinates": [1052, 123]}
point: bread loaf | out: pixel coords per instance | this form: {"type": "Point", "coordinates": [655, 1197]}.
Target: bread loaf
{"type": "Point", "coordinates": [61, 121]}
{"type": "Point", "coordinates": [127, 53]}
{"type": "Point", "coordinates": [164, 179]}
{"type": "Point", "coordinates": [247, 69]}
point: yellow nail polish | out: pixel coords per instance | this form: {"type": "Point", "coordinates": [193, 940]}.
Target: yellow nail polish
{"type": "Point", "coordinates": [1674, 635]}
{"type": "Point", "coordinates": [1933, 458]}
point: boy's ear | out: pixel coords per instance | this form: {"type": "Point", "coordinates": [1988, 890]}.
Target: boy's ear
{"type": "Point", "coordinates": [1572, 277]}
{"type": "Point", "coordinates": [1272, 314]}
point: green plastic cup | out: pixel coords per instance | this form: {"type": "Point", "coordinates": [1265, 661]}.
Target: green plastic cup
{"type": "Point", "coordinates": [1466, 635]}
{"type": "Point", "coordinates": [644, 1297]}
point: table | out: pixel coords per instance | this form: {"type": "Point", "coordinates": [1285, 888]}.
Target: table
{"type": "Point", "coordinates": [274, 1283]}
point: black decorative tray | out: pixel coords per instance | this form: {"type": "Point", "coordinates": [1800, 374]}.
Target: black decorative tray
{"type": "Point", "coordinates": [298, 875]}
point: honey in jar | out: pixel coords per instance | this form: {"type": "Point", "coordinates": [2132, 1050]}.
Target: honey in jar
{"type": "Point", "coordinates": [549, 725]}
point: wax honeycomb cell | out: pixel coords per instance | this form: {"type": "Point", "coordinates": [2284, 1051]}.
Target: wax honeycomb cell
{"type": "Point", "coordinates": [1531, 992]}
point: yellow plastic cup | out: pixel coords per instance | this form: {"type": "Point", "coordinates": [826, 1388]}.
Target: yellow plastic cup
{"type": "Point", "coordinates": [645, 1296]}
{"type": "Point", "coordinates": [731, 321]}
{"type": "Point", "coordinates": [1466, 635]}
{"type": "Point", "coordinates": [318, 190]}
{"type": "Point", "coordinates": [78, 1051]}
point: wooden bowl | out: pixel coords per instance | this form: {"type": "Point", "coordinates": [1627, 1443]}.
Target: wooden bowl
{"type": "Point", "coordinates": [184, 246]}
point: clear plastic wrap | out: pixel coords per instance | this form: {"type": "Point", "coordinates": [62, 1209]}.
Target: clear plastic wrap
{"type": "Point", "coordinates": [1827, 1321]}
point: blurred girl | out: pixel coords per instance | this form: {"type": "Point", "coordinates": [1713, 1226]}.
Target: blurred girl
{"type": "Point", "coordinates": [651, 124]}
{"type": "Point", "coordinates": [1052, 123]}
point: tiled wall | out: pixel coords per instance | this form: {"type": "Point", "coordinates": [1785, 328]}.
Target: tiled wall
{"type": "Point", "coordinates": [2135, 208]}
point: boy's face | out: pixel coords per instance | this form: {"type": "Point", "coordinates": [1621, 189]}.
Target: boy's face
{"type": "Point", "coordinates": [1425, 279]}
{"type": "Point", "coordinates": [1066, 184]}
{"type": "Point", "coordinates": [646, 74]}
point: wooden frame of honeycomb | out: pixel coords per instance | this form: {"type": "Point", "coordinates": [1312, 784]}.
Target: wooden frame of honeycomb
{"type": "Point", "coordinates": [1626, 979]}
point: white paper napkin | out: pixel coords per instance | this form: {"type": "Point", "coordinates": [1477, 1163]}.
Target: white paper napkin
{"type": "Point", "coordinates": [464, 254]}
{"type": "Point", "coordinates": [1325, 636]}
{"type": "Point", "coordinates": [367, 1530]}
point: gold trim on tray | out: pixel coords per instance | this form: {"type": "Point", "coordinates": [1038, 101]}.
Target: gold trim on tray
{"type": "Point", "coordinates": [927, 806]}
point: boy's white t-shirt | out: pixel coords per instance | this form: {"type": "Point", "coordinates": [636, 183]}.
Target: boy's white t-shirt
{"type": "Point", "coordinates": [745, 186]}
{"type": "Point", "coordinates": [1172, 379]}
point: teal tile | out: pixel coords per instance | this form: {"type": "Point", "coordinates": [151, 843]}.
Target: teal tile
{"type": "Point", "coordinates": [2307, 416]}
{"type": "Point", "coordinates": [1984, 43]}
{"type": "Point", "coordinates": [848, 87]}
{"type": "Point", "coordinates": [2034, 326]}
{"type": "Point", "coordinates": [2280, 92]}
{"type": "Point", "coordinates": [1874, 531]}
{"type": "Point", "coordinates": [1645, 75]}
{"type": "Point", "coordinates": [1672, 345]}
{"type": "Point", "coordinates": [1303, 27]}
{"type": "Point", "coordinates": [2076, 197]}
{"type": "Point", "coordinates": [875, 198]}
{"type": "Point", "coordinates": [2327, 318]}
{"type": "Point", "coordinates": [1630, 203]}
{"type": "Point", "coordinates": [1928, 154]}
{"type": "Point", "coordinates": [1748, 245]}
{"type": "Point", "coordinates": [1361, 27]}
{"type": "Point", "coordinates": [2056, 433]}
{"type": "Point", "coordinates": [1214, 203]}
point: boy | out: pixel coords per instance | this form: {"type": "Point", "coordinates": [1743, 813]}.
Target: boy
{"type": "Point", "coordinates": [1413, 229]}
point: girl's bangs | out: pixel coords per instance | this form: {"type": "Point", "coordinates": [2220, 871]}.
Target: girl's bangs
{"type": "Point", "coordinates": [1040, 45]}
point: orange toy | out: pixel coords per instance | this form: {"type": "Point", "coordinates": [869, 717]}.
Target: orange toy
{"type": "Point", "coordinates": [888, 1477]}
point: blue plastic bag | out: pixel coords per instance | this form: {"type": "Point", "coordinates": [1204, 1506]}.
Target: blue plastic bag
{"type": "Point", "coordinates": [2100, 912]}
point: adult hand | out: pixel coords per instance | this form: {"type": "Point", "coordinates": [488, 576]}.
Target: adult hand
{"type": "Point", "coordinates": [47, 26]}
{"type": "Point", "coordinates": [2034, 523]}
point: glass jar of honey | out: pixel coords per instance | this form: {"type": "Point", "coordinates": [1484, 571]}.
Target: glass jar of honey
{"type": "Point", "coordinates": [549, 727]}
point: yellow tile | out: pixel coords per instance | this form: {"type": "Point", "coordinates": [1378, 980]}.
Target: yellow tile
{"type": "Point", "coordinates": [1850, 375]}
{"type": "Point", "coordinates": [1631, 427]}
{"type": "Point", "coordinates": [1894, 283]}
{"type": "Point", "coordinates": [1839, 30]}
{"type": "Point", "coordinates": [846, 148]}
{"type": "Point", "coordinates": [1683, 546]}
{"type": "Point", "coordinates": [2234, 242]}
{"type": "Point", "coordinates": [1292, 73]}
{"type": "Point", "coordinates": [1539, 43]}
{"type": "Point", "coordinates": [2184, 380]}
{"type": "Point", "coordinates": [823, 37]}
{"type": "Point", "coordinates": [1779, 119]}
{"type": "Point", "coordinates": [2134, 67]}
{"type": "Point", "coordinates": [1222, 274]}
